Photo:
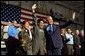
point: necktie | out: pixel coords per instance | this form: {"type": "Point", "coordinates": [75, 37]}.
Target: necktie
{"type": "Point", "coordinates": [51, 28]}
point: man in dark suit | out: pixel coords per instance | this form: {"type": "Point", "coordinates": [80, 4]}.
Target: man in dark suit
{"type": "Point", "coordinates": [82, 41]}
{"type": "Point", "coordinates": [77, 43]}
{"type": "Point", "coordinates": [53, 38]}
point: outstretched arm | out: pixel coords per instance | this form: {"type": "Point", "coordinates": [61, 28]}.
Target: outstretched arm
{"type": "Point", "coordinates": [66, 24]}
{"type": "Point", "coordinates": [33, 13]}
{"type": "Point", "coordinates": [35, 27]}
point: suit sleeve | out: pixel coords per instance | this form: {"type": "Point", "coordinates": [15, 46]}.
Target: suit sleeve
{"type": "Point", "coordinates": [66, 24]}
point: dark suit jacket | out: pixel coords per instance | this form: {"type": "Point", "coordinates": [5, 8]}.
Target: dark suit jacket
{"type": "Point", "coordinates": [55, 39]}
{"type": "Point", "coordinates": [76, 41]}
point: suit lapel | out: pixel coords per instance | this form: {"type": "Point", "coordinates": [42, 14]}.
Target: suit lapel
{"type": "Point", "coordinates": [53, 29]}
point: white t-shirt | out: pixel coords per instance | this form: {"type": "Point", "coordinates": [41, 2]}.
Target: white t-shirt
{"type": "Point", "coordinates": [5, 30]}
{"type": "Point", "coordinates": [70, 37]}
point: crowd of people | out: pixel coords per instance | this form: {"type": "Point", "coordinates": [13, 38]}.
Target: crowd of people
{"type": "Point", "coordinates": [51, 39]}
{"type": "Point", "coordinates": [72, 42]}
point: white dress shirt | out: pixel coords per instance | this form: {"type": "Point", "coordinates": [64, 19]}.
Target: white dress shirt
{"type": "Point", "coordinates": [30, 34]}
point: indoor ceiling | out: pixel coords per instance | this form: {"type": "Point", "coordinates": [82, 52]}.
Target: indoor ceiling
{"type": "Point", "coordinates": [74, 5]}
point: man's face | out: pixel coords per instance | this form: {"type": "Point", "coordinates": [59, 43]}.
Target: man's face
{"type": "Point", "coordinates": [69, 31]}
{"type": "Point", "coordinates": [26, 24]}
{"type": "Point", "coordinates": [82, 32]}
{"type": "Point", "coordinates": [77, 32]}
{"type": "Point", "coordinates": [41, 25]}
{"type": "Point", "coordinates": [50, 20]}
{"type": "Point", "coordinates": [15, 23]}
{"type": "Point", "coordinates": [63, 31]}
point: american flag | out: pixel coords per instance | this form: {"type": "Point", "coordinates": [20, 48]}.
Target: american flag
{"type": "Point", "coordinates": [12, 12]}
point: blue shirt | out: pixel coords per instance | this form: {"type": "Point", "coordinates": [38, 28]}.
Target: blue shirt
{"type": "Point", "coordinates": [13, 31]}
{"type": "Point", "coordinates": [50, 28]}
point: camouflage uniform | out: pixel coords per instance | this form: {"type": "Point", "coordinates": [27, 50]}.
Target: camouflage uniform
{"type": "Point", "coordinates": [25, 41]}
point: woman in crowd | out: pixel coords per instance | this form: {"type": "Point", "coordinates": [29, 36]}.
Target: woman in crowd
{"type": "Point", "coordinates": [64, 49]}
{"type": "Point", "coordinates": [25, 39]}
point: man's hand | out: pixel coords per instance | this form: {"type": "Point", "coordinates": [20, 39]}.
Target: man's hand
{"type": "Point", "coordinates": [73, 16]}
{"type": "Point", "coordinates": [79, 46]}
{"type": "Point", "coordinates": [16, 37]}
{"type": "Point", "coordinates": [34, 7]}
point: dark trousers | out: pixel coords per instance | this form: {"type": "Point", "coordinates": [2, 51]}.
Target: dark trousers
{"type": "Point", "coordinates": [77, 51]}
{"type": "Point", "coordinates": [70, 49]}
{"type": "Point", "coordinates": [54, 52]}
{"type": "Point", "coordinates": [82, 50]}
{"type": "Point", "coordinates": [64, 50]}
{"type": "Point", "coordinates": [51, 50]}
{"type": "Point", "coordinates": [12, 46]}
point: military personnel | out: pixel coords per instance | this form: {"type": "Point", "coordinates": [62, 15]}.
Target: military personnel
{"type": "Point", "coordinates": [25, 37]}
{"type": "Point", "coordinates": [38, 33]}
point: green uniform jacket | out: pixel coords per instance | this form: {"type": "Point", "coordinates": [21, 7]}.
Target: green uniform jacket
{"type": "Point", "coordinates": [38, 37]}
